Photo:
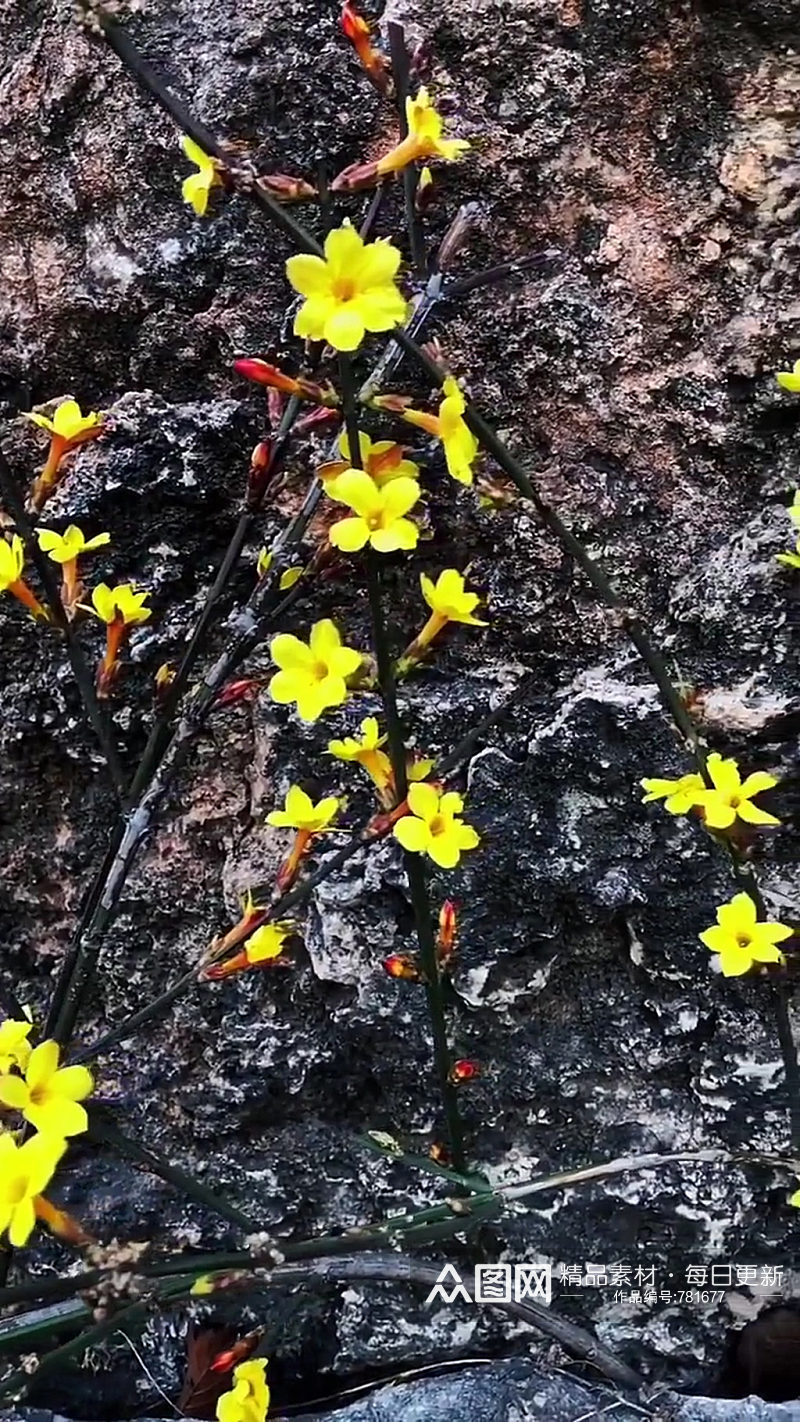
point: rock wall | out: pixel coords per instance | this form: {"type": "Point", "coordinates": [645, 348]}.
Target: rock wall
{"type": "Point", "coordinates": [654, 147]}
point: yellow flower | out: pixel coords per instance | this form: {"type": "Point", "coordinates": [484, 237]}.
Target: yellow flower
{"type": "Point", "coordinates": [12, 561]}
{"type": "Point", "coordinates": [47, 1096]}
{"type": "Point", "coordinates": [732, 797]}
{"type": "Point", "coordinates": [366, 752]}
{"type": "Point", "coordinates": [383, 461]}
{"type": "Point", "coordinates": [67, 429]}
{"type": "Point", "coordinates": [15, 1049]}
{"type": "Point", "coordinates": [267, 942]}
{"type": "Point", "coordinates": [449, 602]}
{"type": "Point", "coordinates": [790, 560]}
{"type": "Point", "coordinates": [248, 1399]}
{"type": "Point", "coordinates": [379, 513]}
{"type": "Point", "coordinates": [313, 675]}
{"type": "Point", "coordinates": [25, 1170]}
{"type": "Point", "coordinates": [790, 379]}
{"type": "Point", "coordinates": [120, 604]}
{"type": "Point", "coordinates": [350, 292]}
{"type": "Point", "coordinates": [460, 444]}
{"type": "Point", "coordinates": [302, 814]}
{"type": "Point", "coordinates": [433, 826]}
{"type": "Point", "coordinates": [741, 940]}
{"type": "Point", "coordinates": [424, 138]}
{"type": "Point", "coordinates": [678, 795]}
{"type": "Point", "coordinates": [196, 188]}
{"type": "Point", "coordinates": [67, 423]}
{"type": "Point", "coordinates": [67, 546]}
{"type": "Point", "coordinates": [65, 549]}
{"type": "Point", "coordinates": [120, 607]}
{"type": "Point", "coordinates": [794, 508]}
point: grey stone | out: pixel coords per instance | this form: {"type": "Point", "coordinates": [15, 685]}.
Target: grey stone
{"type": "Point", "coordinates": [635, 378]}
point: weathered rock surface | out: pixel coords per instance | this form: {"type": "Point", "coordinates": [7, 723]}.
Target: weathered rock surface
{"type": "Point", "coordinates": [655, 146]}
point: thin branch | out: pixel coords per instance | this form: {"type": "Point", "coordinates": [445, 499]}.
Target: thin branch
{"type": "Point", "coordinates": [415, 872]}
{"type": "Point", "coordinates": [364, 838]}
{"type": "Point", "coordinates": [400, 72]}
{"type": "Point", "coordinates": [103, 1131]}
{"type": "Point", "coordinates": [81, 670]}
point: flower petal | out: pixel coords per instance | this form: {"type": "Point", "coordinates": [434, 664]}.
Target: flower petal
{"type": "Point", "coordinates": [309, 323]}
{"type": "Point", "coordinates": [724, 774]}
{"type": "Point", "coordinates": [13, 1093]}
{"type": "Point", "coordinates": [423, 800]}
{"type": "Point", "coordinates": [21, 1226]}
{"type": "Point", "coordinates": [345, 328]}
{"type": "Point", "coordinates": [413, 834]}
{"type": "Point", "coordinates": [399, 497]}
{"type": "Point", "coordinates": [324, 639]}
{"type": "Point", "coordinates": [358, 491]}
{"type": "Point", "coordinates": [443, 850]}
{"type": "Point", "coordinates": [74, 1083]}
{"type": "Point", "coordinates": [381, 307]}
{"type": "Point", "coordinates": [308, 274]}
{"type": "Point", "coordinates": [42, 1065]}
{"type": "Point", "coordinates": [349, 534]}
{"type": "Point", "coordinates": [57, 1117]}
{"type": "Point", "coordinates": [751, 813]}
{"type": "Point", "coordinates": [402, 534]}
{"type": "Point", "coordinates": [290, 654]}
{"type": "Point", "coordinates": [286, 686]}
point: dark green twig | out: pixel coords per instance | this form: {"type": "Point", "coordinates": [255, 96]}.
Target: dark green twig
{"type": "Point", "coordinates": [420, 900]}
{"type": "Point", "coordinates": [244, 178]}
{"type": "Point", "coordinates": [104, 1132]}
{"type": "Point", "coordinates": [159, 736]}
{"type": "Point", "coordinates": [80, 667]}
{"type": "Point", "coordinates": [400, 72]}
{"type": "Point", "coordinates": [365, 838]}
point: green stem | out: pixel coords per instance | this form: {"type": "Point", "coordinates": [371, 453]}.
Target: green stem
{"type": "Point", "coordinates": [400, 72]}
{"type": "Point", "coordinates": [420, 900]}
{"type": "Point", "coordinates": [363, 839]}
{"type": "Point", "coordinates": [105, 1133]}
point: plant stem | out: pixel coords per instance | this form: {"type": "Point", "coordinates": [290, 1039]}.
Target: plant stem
{"type": "Point", "coordinates": [81, 670]}
{"type": "Point", "coordinates": [420, 901]}
{"type": "Point", "coordinates": [103, 1131]}
{"type": "Point", "coordinates": [400, 71]}
{"type": "Point", "coordinates": [363, 839]}
{"type": "Point", "coordinates": [159, 735]}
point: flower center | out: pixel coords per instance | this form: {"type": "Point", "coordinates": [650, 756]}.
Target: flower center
{"type": "Point", "coordinates": [743, 940]}
{"type": "Point", "coordinates": [437, 825]}
{"type": "Point", "coordinates": [38, 1095]}
{"type": "Point", "coordinates": [344, 288]}
{"type": "Point", "coordinates": [319, 671]}
{"type": "Point", "coordinates": [374, 520]}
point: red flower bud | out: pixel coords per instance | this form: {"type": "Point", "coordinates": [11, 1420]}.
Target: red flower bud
{"type": "Point", "coordinates": [402, 965]}
{"type": "Point", "coordinates": [464, 1070]}
{"type": "Point", "coordinates": [446, 936]}
{"type": "Point", "coordinates": [244, 690]}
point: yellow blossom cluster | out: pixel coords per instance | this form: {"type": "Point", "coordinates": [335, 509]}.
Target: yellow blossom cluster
{"type": "Point", "coordinates": [48, 1097]}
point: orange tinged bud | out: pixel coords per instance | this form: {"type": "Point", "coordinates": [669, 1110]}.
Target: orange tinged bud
{"type": "Point", "coordinates": [439, 1152]}
{"type": "Point", "coordinates": [356, 29]}
{"type": "Point", "coordinates": [226, 1361]}
{"type": "Point", "coordinates": [245, 689]}
{"type": "Point", "coordinates": [446, 936]}
{"type": "Point", "coordinates": [286, 189]}
{"type": "Point", "coordinates": [402, 965]}
{"type": "Point", "coordinates": [271, 375]}
{"type": "Point", "coordinates": [464, 1070]}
